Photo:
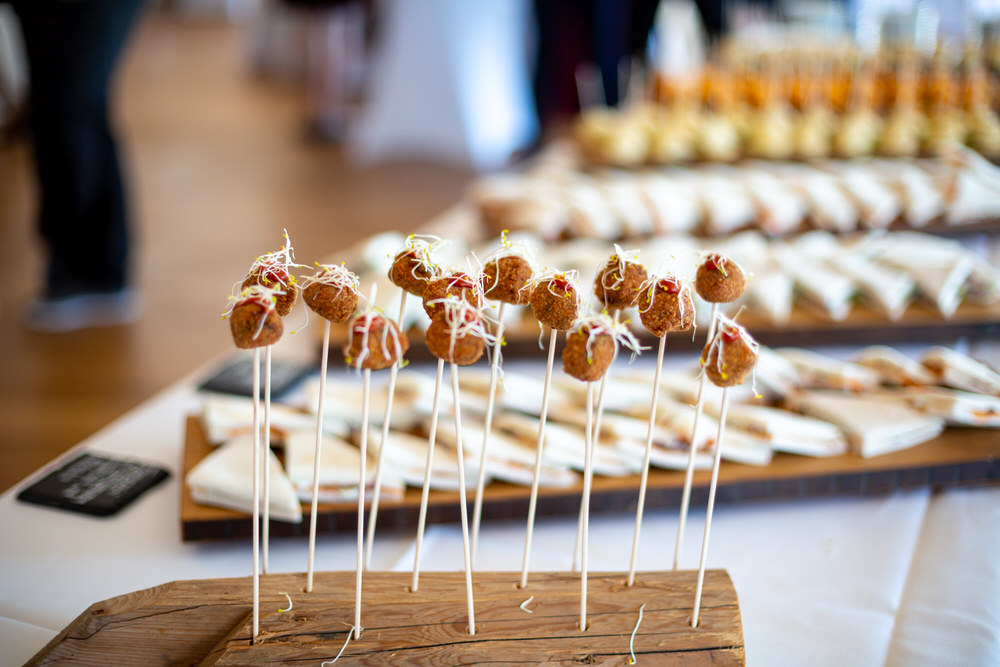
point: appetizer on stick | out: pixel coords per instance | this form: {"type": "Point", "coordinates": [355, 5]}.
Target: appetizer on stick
{"type": "Point", "coordinates": [254, 323]}
{"type": "Point", "coordinates": [458, 335]}
{"type": "Point", "coordinates": [413, 267]}
{"type": "Point", "coordinates": [720, 279]}
{"type": "Point", "coordinates": [507, 270]}
{"type": "Point", "coordinates": [665, 305]}
{"type": "Point", "coordinates": [555, 301]}
{"type": "Point", "coordinates": [727, 360]}
{"type": "Point", "coordinates": [453, 283]}
{"type": "Point", "coordinates": [273, 270]}
{"type": "Point", "coordinates": [620, 280]}
{"type": "Point", "coordinates": [332, 293]}
{"type": "Point", "coordinates": [375, 342]}
{"type": "Point", "coordinates": [591, 346]}
{"type": "Point", "coordinates": [554, 298]}
{"type": "Point", "coordinates": [253, 317]}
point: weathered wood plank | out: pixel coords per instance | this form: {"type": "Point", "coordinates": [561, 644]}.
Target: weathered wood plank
{"type": "Point", "coordinates": [207, 622]}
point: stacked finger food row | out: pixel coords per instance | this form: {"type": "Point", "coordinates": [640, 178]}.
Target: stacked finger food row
{"type": "Point", "coordinates": [803, 109]}
{"type": "Point", "coordinates": [458, 334]}
{"type": "Point", "coordinates": [557, 198]}
{"type": "Point", "coordinates": [892, 276]}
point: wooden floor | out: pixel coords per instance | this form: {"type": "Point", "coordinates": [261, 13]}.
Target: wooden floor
{"type": "Point", "coordinates": [218, 167]}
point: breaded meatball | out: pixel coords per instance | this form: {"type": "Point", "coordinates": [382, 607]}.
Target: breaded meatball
{"type": "Point", "coordinates": [453, 284]}
{"type": "Point", "coordinates": [729, 357]}
{"type": "Point", "coordinates": [588, 353]}
{"type": "Point", "coordinates": [245, 324]}
{"type": "Point", "coordinates": [463, 350]}
{"type": "Point", "coordinates": [412, 271]}
{"type": "Point", "coordinates": [336, 304]}
{"type": "Point", "coordinates": [666, 306]}
{"type": "Point", "coordinates": [618, 282]}
{"type": "Point", "coordinates": [275, 276]}
{"type": "Point", "coordinates": [504, 279]}
{"type": "Point", "coordinates": [374, 342]}
{"type": "Point", "coordinates": [720, 280]}
{"type": "Point", "coordinates": [554, 302]}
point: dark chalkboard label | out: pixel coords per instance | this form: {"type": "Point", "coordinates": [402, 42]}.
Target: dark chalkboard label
{"type": "Point", "coordinates": [94, 484]}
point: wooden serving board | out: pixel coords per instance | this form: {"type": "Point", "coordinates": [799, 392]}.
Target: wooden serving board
{"type": "Point", "coordinates": [958, 457]}
{"type": "Point", "coordinates": [207, 622]}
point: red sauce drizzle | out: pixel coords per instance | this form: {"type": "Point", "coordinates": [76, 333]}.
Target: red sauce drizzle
{"type": "Point", "coordinates": [670, 285]}
{"type": "Point", "coordinates": [716, 262]}
{"type": "Point", "coordinates": [273, 273]}
{"type": "Point", "coordinates": [363, 324]}
{"type": "Point", "coordinates": [730, 334]}
{"type": "Point", "coordinates": [561, 283]}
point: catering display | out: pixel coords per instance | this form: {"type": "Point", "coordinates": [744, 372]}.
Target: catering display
{"type": "Point", "coordinates": [504, 412]}
{"type": "Point", "coordinates": [557, 196]}
{"type": "Point", "coordinates": [622, 625]}
{"type": "Point", "coordinates": [459, 334]}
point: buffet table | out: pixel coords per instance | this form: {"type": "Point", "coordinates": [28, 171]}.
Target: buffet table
{"type": "Point", "coordinates": [910, 578]}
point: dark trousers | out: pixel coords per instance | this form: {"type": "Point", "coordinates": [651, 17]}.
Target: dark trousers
{"type": "Point", "coordinates": [72, 49]}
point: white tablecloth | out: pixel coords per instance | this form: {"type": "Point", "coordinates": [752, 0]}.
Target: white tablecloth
{"type": "Point", "coordinates": [907, 579]}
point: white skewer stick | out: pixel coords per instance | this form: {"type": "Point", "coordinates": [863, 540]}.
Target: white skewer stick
{"type": "Point", "coordinates": [689, 472]}
{"type": "Point", "coordinates": [597, 440]}
{"type": "Point", "coordinates": [256, 494]}
{"type": "Point", "coordinates": [316, 457]}
{"type": "Point", "coordinates": [266, 548]}
{"type": "Point", "coordinates": [533, 502]}
{"type": "Point", "coordinates": [588, 475]}
{"type": "Point", "coordinates": [645, 460]}
{"type": "Point", "coordinates": [431, 437]}
{"type": "Point", "coordinates": [469, 601]}
{"type": "Point", "coordinates": [711, 506]}
{"type": "Point", "coordinates": [366, 392]}
{"type": "Point", "coordinates": [377, 492]}
{"type": "Point", "coordinates": [477, 511]}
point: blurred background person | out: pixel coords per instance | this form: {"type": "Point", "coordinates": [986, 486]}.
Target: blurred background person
{"type": "Point", "coordinates": [72, 49]}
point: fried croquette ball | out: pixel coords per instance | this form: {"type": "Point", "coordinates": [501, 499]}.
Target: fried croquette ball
{"type": "Point", "coordinates": [588, 353]}
{"type": "Point", "coordinates": [729, 357]}
{"type": "Point", "coordinates": [618, 282]}
{"type": "Point", "coordinates": [504, 279]}
{"type": "Point", "coordinates": [666, 306]}
{"type": "Point", "coordinates": [331, 303]}
{"type": "Point", "coordinates": [332, 293]}
{"type": "Point", "coordinates": [454, 284]}
{"type": "Point", "coordinates": [374, 342]}
{"type": "Point", "coordinates": [720, 280]}
{"type": "Point", "coordinates": [462, 349]}
{"type": "Point", "coordinates": [275, 276]}
{"type": "Point", "coordinates": [554, 302]}
{"type": "Point", "coordinates": [412, 270]}
{"type": "Point", "coordinates": [254, 321]}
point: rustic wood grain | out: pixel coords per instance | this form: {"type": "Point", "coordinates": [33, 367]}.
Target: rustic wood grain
{"type": "Point", "coordinates": [207, 622]}
{"type": "Point", "coordinates": [958, 457]}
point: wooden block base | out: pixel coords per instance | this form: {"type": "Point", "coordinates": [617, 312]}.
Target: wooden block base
{"type": "Point", "coordinates": [208, 622]}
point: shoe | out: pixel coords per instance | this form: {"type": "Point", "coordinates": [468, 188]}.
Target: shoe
{"type": "Point", "coordinates": [88, 309]}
